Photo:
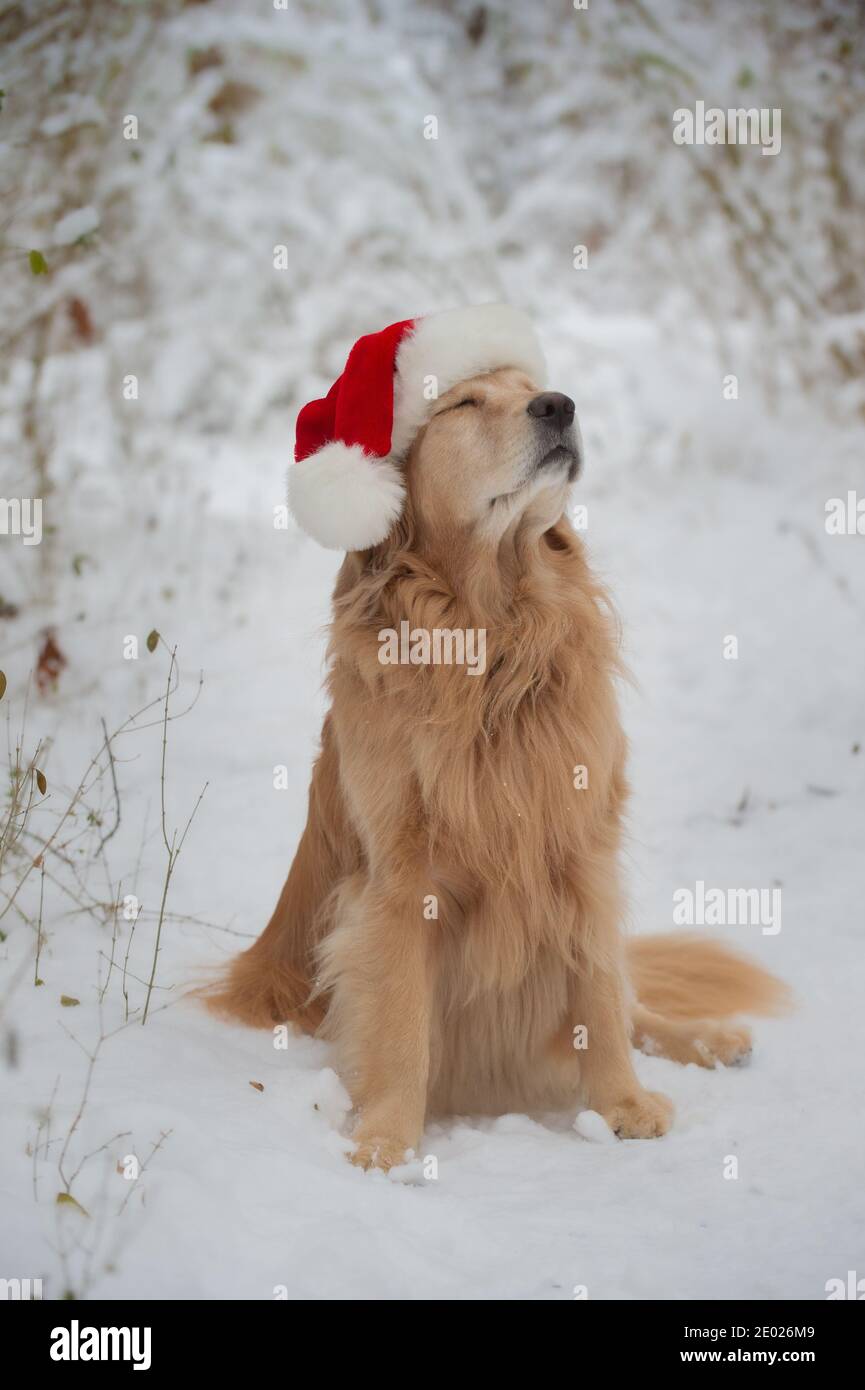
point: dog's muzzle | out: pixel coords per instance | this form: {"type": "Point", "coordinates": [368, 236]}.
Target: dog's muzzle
{"type": "Point", "coordinates": [555, 414]}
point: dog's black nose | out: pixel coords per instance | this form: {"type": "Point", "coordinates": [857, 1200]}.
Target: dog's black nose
{"type": "Point", "coordinates": [553, 407]}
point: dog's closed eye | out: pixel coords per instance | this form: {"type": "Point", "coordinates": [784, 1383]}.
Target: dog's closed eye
{"type": "Point", "coordinates": [469, 400]}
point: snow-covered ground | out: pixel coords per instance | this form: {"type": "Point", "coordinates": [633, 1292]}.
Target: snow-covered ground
{"type": "Point", "coordinates": [706, 517]}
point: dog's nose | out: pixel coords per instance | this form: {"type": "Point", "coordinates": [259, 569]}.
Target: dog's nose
{"type": "Point", "coordinates": [553, 407]}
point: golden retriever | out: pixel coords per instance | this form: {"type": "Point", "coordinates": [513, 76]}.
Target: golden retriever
{"type": "Point", "coordinates": [453, 918]}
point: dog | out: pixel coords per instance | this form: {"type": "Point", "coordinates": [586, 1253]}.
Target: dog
{"type": "Point", "coordinates": [453, 918]}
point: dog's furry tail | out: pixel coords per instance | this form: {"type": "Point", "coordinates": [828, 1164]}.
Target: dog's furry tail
{"type": "Point", "coordinates": [260, 991]}
{"type": "Point", "coordinates": [686, 976]}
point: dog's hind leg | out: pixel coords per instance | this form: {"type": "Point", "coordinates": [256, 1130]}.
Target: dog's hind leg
{"type": "Point", "coordinates": [702, 1041]}
{"type": "Point", "coordinates": [687, 987]}
{"type": "Point", "coordinates": [271, 982]}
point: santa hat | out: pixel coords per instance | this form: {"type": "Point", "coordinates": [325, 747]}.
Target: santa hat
{"type": "Point", "coordinates": [346, 487]}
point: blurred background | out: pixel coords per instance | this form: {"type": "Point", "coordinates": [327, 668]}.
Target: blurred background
{"type": "Point", "coordinates": [306, 127]}
{"type": "Point", "coordinates": [202, 206]}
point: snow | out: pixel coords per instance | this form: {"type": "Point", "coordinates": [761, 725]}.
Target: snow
{"type": "Point", "coordinates": [81, 110]}
{"type": "Point", "coordinates": [706, 518]}
{"type": "Point", "coordinates": [592, 1126]}
{"type": "Point", "coordinates": [78, 223]}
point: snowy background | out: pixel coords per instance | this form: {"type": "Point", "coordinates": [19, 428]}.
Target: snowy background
{"type": "Point", "coordinates": [303, 128]}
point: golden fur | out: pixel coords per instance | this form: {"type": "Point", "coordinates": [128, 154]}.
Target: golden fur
{"type": "Point", "coordinates": [437, 787]}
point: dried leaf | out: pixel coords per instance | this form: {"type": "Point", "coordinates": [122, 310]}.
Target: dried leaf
{"type": "Point", "coordinates": [232, 98]}
{"type": "Point", "coordinates": [477, 24]}
{"type": "Point", "coordinates": [41, 782]}
{"type": "Point", "coordinates": [65, 1199]}
{"type": "Point", "coordinates": [81, 320]}
{"type": "Point", "coordinates": [223, 134]}
{"type": "Point", "coordinates": [2, 685]}
{"type": "Point", "coordinates": [198, 59]}
{"type": "Point", "coordinates": [38, 263]}
{"type": "Point", "coordinates": [256, 1085]}
{"type": "Point", "coordinates": [152, 639]}
{"type": "Point", "coordinates": [69, 1001]}
{"type": "Point", "coordinates": [49, 663]}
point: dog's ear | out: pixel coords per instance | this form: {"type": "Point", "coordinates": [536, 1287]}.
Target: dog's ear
{"type": "Point", "coordinates": [375, 567]}
{"type": "Point", "coordinates": [401, 536]}
{"type": "Point", "coordinates": [380, 559]}
{"type": "Point", "coordinates": [350, 571]}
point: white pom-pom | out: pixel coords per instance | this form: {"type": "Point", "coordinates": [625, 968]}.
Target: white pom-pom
{"type": "Point", "coordinates": [345, 498]}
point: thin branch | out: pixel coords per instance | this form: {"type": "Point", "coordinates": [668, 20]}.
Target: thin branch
{"type": "Point", "coordinates": [105, 838]}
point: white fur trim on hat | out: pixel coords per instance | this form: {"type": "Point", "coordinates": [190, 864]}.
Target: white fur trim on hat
{"type": "Point", "coordinates": [345, 498]}
{"type": "Point", "coordinates": [453, 346]}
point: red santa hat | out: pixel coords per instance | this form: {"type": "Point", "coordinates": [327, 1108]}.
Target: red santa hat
{"type": "Point", "coordinates": [346, 487]}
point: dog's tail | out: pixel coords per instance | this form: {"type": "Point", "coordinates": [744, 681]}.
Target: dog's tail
{"type": "Point", "coordinates": [259, 990]}
{"type": "Point", "coordinates": [685, 976]}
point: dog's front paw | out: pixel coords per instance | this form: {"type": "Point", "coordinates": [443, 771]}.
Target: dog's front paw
{"type": "Point", "coordinates": [646, 1115]}
{"type": "Point", "coordinates": [378, 1152]}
